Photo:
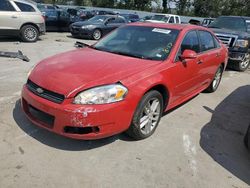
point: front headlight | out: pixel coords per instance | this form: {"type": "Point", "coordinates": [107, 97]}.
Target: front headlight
{"type": "Point", "coordinates": [102, 95]}
{"type": "Point", "coordinates": [240, 43]}
{"type": "Point", "coordinates": [88, 26]}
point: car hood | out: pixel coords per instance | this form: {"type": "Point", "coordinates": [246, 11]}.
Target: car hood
{"type": "Point", "coordinates": [240, 34]}
{"type": "Point", "coordinates": [74, 71]}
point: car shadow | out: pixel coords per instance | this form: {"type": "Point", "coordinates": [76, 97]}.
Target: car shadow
{"type": "Point", "coordinates": [57, 141]}
{"type": "Point", "coordinates": [222, 138]}
{"type": "Point", "coordinates": [13, 39]}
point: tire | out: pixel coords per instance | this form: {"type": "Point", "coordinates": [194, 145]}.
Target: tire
{"type": "Point", "coordinates": [242, 65]}
{"type": "Point", "coordinates": [246, 139]}
{"type": "Point", "coordinates": [29, 33]}
{"type": "Point", "coordinates": [216, 81]}
{"type": "Point", "coordinates": [97, 34]}
{"type": "Point", "coordinates": [149, 112]}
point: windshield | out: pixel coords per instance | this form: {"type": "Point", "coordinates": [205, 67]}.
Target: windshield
{"type": "Point", "coordinates": [160, 18]}
{"type": "Point", "coordinates": [140, 42]}
{"type": "Point", "coordinates": [98, 19]}
{"type": "Point", "coordinates": [232, 23]}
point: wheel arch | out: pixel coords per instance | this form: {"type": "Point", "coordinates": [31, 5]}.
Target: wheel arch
{"type": "Point", "coordinates": [163, 90]}
{"type": "Point", "coordinates": [30, 23]}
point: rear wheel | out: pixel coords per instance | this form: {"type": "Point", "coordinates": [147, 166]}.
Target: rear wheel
{"type": "Point", "coordinates": [29, 33]}
{"type": "Point", "coordinates": [242, 65]}
{"type": "Point", "coordinates": [147, 116]}
{"type": "Point", "coordinates": [216, 81]}
{"type": "Point", "coordinates": [97, 34]}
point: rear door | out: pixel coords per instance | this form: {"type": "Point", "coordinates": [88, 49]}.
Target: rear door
{"type": "Point", "coordinates": [9, 18]}
{"type": "Point", "coordinates": [210, 56]}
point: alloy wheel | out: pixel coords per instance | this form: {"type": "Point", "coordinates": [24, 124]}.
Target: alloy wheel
{"type": "Point", "coordinates": [150, 116]}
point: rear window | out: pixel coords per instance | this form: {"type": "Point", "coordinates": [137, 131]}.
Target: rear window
{"type": "Point", "coordinates": [6, 6]}
{"type": "Point", "coordinates": [25, 7]}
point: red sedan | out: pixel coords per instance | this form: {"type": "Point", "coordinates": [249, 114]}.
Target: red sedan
{"type": "Point", "coordinates": [125, 81]}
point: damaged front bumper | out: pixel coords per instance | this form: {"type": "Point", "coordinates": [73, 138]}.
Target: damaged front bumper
{"type": "Point", "coordinates": [84, 122]}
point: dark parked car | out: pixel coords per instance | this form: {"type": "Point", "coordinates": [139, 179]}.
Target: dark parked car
{"type": "Point", "coordinates": [58, 19]}
{"type": "Point", "coordinates": [131, 17]}
{"type": "Point", "coordinates": [103, 12]}
{"type": "Point", "coordinates": [234, 32]}
{"type": "Point", "coordinates": [96, 27]}
{"type": "Point", "coordinates": [247, 138]}
{"type": "Point", "coordinates": [207, 21]}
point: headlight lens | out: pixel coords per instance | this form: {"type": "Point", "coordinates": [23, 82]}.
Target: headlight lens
{"type": "Point", "coordinates": [102, 95]}
{"type": "Point", "coordinates": [241, 43]}
{"type": "Point", "coordinates": [87, 26]}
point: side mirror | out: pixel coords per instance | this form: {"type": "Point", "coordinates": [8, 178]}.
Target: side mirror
{"type": "Point", "coordinates": [188, 54]}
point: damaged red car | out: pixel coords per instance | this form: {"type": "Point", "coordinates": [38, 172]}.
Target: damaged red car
{"type": "Point", "coordinates": [125, 81]}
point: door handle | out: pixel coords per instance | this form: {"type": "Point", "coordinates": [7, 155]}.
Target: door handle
{"type": "Point", "coordinates": [13, 16]}
{"type": "Point", "coordinates": [199, 62]}
{"type": "Point", "coordinates": [218, 54]}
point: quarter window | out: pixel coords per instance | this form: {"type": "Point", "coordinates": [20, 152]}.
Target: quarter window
{"type": "Point", "coordinates": [24, 7]}
{"type": "Point", "coordinates": [190, 42]}
{"type": "Point", "coordinates": [177, 19]}
{"type": "Point", "coordinates": [207, 41]}
{"type": "Point", "coordinates": [248, 25]}
{"type": "Point", "coordinates": [6, 6]}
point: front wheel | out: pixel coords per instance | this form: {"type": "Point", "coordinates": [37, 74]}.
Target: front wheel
{"type": "Point", "coordinates": [97, 34]}
{"type": "Point", "coordinates": [242, 65]}
{"type": "Point", "coordinates": [147, 116]}
{"type": "Point", "coordinates": [216, 81]}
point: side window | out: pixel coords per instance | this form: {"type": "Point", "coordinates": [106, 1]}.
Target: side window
{"type": "Point", "coordinates": [207, 41]}
{"type": "Point", "coordinates": [171, 20]}
{"type": "Point", "coordinates": [25, 7]}
{"type": "Point", "coordinates": [248, 25]}
{"type": "Point", "coordinates": [216, 43]}
{"type": "Point", "coordinates": [177, 19]}
{"type": "Point", "coordinates": [191, 42]}
{"type": "Point", "coordinates": [119, 20]}
{"type": "Point", "coordinates": [6, 6]}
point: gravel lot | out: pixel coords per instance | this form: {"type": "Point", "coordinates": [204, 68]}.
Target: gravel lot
{"type": "Point", "coordinates": [198, 144]}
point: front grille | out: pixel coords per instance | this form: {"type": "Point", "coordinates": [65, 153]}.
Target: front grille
{"type": "Point", "coordinates": [228, 40]}
{"type": "Point", "coordinates": [46, 119]}
{"type": "Point", "coordinates": [44, 93]}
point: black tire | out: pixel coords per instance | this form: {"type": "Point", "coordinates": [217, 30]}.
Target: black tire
{"type": "Point", "coordinates": [216, 81]}
{"type": "Point", "coordinates": [135, 131]}
{"type": "Point", "coordinates": [242, 65]}
{"type": "Point", "coordinates": [246, 139]}
{"type": "Point", "coordinates": [29, 33]}
{"type": "Point", "coordinates": [97, 34]}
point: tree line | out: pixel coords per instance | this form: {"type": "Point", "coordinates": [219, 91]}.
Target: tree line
{"type": "Point", "coordinates": [203, 8]}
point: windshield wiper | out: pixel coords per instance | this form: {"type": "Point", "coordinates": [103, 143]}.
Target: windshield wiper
{"type": "Point", "coordinates": [131, 55]}
{"type": "Point", "coordinates": [82, 45]}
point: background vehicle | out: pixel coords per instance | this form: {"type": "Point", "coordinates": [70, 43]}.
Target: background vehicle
{"type": "Point", "coordinates": [125, 81]}
{"type": "Point", "coordinates": [84, 14]}
{"type": "Point", "coordinates": [207, 21]}
{"type": "Point", "coordinates": [165, 18]}
{"type": "Point", "coordinates": [247, 138]}
{"type": "Point", "coordinates": [234, 32]}
{"type": "Point", "coordinates": [130, 17]}
{"type": "Point", "coordinates": [96, 27]}
{"type": "Point", "coordinates": [20, 18]}
{"type": "Point", "coordinates": [103, 12]}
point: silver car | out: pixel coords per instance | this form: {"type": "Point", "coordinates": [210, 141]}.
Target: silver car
{"type": "Point", "coordinates": [21, 18]}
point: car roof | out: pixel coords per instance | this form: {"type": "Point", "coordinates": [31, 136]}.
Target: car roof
{"type": "Point", "coordinates": [169, 26]}
{"type": "Point", "coordinates": [244, 17]}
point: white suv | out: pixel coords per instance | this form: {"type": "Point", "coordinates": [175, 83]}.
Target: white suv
{"type": "Point", "coordinates": [21, 18]}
